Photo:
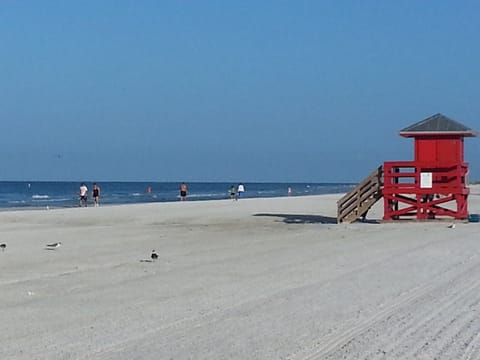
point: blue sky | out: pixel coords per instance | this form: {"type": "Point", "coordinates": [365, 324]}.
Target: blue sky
{"type": "Point", "coordinates": [311, 91]}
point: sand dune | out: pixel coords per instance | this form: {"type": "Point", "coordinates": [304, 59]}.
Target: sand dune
{"type": "Point", "coordinates": [253, 279]}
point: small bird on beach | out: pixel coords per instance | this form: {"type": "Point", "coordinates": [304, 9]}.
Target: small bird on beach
{"type": "Point", "coordinates": [3, 246]}
{"type": "Point", "coordinates": [54, 245]}
{"type": "Point", "coordinates": [451, 226]}
{"type": "Point", "coordinates": [154, 255]}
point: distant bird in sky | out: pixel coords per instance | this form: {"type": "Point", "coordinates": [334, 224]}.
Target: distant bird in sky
{"type": "Point", "coordinates": [54, 245]}
{"type": "Point", "coordinates": [154, 255]}
{"type": "Point", "coordinates": [3, 246]}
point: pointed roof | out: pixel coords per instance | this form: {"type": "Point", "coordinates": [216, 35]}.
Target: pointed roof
{"type": "Point", "coordinates": [437, 124]}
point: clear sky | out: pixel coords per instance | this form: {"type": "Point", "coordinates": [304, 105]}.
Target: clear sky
{"type": "Point", "coordinates": [247, 90]}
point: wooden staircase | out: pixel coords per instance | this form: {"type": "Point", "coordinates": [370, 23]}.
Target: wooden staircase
{"type": "Point", "coordinates": [358, 201]}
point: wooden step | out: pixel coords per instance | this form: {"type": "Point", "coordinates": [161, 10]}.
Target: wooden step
{"type": "Point", "coordinates": [358, 201]}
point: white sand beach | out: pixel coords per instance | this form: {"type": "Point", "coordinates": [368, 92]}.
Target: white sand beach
{"type": "Point", "coordinates": [254, 279]}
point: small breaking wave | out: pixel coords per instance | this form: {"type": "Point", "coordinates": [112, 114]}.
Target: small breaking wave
{"type": "Point", "coordinates": [40, 197]}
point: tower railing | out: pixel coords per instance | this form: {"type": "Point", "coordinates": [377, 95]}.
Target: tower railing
{"type": "Point", "coordinates": [423, 189]}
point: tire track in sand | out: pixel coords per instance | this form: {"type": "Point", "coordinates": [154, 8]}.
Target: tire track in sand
{"type": "Point", "coordinates": [472, 351]}
{"type": "Point", "coordinates": [412, 333]}
{"type": "Point", "coordinates": [332, 343]}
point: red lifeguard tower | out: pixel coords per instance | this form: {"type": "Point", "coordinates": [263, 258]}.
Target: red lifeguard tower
{"type": "Point", "coordinates": [433, 185]}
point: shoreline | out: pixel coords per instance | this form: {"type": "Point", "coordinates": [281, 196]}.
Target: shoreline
{"type": "Point", "coordinates": [48, 208]}
{"type": "Point", "coordinates": [62, 195]}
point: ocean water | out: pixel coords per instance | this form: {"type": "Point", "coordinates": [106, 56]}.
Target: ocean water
{"type": "Point", "coordinates": [24, 194]}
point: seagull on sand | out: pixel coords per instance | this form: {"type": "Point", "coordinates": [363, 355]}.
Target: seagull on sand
{"type": "Point", "coordinates": [54, 245]}
{"type": "Point", "coordinates": [451, 226]}
{"type": "Point", "coordinates": [154, 255]}
{"type": "Point", "coordinates": [3, 246]}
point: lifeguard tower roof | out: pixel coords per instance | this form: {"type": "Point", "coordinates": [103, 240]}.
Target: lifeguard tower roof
{"type": "Point", "coordinates": [437, 124]}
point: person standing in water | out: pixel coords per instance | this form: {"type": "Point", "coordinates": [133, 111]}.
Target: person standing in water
{"type": "Point", "coordinates": [233, 193]}
{"type": "Point", "coordinates": [183, 191]}
{"type": "Point", "coordinates": [240, 190]}
{"type": "Point", "coordinates": [96, 194]}
{"type": "Point", "coordinates": [83, 195]}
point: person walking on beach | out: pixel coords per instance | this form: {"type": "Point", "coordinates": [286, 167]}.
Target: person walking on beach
{"type": "Point", "coordinates": [240, 190]}
{"type": "Point", "coordinates": [83, 195]}
{"type": "Point", "coordinates": [183, 191]}
{"type": "Point", "coordinates": [96, 194]}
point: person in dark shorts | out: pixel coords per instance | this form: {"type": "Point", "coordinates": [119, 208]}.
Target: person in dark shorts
{"type": "Point", "coordinates": [83, 195]}
{"type": "Point", "coordinates": [233, 193]}
{"type": "Point", "coordinates": [183, 192]}
{"type": "Point", "coordinates": [96, 194]}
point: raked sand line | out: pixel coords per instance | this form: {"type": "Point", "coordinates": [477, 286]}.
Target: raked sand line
{"type": "Point", "coordinates": [333, 342]}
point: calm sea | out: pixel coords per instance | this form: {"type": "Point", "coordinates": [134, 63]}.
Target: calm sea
{"type": "Point", "coordinates": [24, 194]}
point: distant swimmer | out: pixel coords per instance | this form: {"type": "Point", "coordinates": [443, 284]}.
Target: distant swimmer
{"type": "Point", "coordinates": [183, 191]}
{"type": "Point", "coordinates": [154, 255]}
{"type": "Point", "coordinates": [3, 246]}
